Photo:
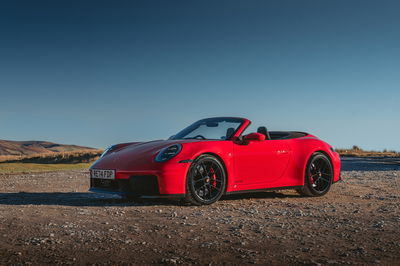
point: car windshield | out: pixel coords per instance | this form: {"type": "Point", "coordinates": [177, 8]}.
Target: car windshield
{"type": "Point", "coordinates": [211, 128]}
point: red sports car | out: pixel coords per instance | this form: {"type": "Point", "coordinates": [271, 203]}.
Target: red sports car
{"type": "Point", "coordinates": [213, 157]}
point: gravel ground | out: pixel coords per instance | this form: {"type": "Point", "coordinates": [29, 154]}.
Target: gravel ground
{"type": "Point", "coordinates": [50, 218]}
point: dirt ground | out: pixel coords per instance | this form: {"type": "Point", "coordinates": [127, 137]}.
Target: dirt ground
{"type": "Point", "coordinates": [50, 218]}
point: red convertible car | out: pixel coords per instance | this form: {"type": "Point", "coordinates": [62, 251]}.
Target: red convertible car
{"type": "Point", "coordinates": [213, 157]}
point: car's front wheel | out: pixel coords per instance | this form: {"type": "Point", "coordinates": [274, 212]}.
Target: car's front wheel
{"type": "Point", "coordinates": [206, 181]}
{"type": "Point", "coordinates": [318, 176]}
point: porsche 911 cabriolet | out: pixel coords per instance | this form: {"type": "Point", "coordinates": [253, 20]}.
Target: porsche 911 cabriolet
{"type": "Point", "coordinates": [214, 157]}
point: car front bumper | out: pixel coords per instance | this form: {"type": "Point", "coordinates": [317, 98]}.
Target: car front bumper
{"type": "Point", "coordinates": [168, 181]}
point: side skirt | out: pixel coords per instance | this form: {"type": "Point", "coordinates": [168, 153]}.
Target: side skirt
{"type": "Point", "coordinates": [261, 190]}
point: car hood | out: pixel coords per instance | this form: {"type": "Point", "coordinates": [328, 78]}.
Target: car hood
{"type": "Point", "coordinates": [137, 154]}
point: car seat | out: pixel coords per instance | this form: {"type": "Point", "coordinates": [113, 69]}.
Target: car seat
{"type": "Point", "coordinates": [264, 131]}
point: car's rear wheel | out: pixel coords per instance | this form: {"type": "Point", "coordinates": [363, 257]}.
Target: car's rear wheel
{"type": "Point", "coordinates": [318, 176]}
{"type": "Point", "coordinates": [206, 181]}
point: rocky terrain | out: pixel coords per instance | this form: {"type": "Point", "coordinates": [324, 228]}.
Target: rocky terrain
{"type": "Point", "coordinates": [50, 218]}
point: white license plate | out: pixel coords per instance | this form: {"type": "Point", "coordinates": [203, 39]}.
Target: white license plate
{"type": "Point", "coordinates": [102, 174]}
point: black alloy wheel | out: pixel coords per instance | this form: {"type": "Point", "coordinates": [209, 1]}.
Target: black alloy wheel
{"type": "Point", "coordinates": [318, 176]}
{"type": "Point", "coordinates": [206, 181]}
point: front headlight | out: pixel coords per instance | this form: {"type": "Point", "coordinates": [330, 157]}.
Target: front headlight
{"type": "Point", "coordinates": [168, 153]}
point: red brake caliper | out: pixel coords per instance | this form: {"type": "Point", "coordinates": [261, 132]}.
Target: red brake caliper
{"type": "Point", "coordinates": [311, 176]}
{"type": "Point", "coordinates": [213, 178]}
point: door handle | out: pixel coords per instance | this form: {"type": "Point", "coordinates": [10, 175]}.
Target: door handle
{"type": "Point", "coordinates": [281, 151]}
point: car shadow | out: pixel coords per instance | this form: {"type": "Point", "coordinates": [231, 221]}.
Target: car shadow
{"type": "Point", "coordinates": [88, 199]}
{"type": "Point", "coordinates": [260, 195]}
{"type": "Point", "coordinates": [77, 199]}
{"type": "Point", "coordinates": [370, 164]}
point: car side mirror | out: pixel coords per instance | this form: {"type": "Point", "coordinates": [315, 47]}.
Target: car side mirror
{"type": "Point", "coordinates": [254, 137]}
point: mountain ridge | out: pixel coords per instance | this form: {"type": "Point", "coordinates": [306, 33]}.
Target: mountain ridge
{"type": "Point", "coordinates": [32, 147]}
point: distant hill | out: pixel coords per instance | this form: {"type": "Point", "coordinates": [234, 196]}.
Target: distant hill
{"type": "Point", "coordinates": [29, 148]}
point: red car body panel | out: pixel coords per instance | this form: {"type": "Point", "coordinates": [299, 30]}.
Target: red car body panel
{"type": "Point", "coordinates": [255, 165]}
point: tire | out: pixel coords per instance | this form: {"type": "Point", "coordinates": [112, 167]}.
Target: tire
{"type": "Point", "coordinates": [318, 176]}
{"type": "Point", "coordinates": [205, 181]}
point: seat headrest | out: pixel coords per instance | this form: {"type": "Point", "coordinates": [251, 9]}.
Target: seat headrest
{"type": "Point", "coordinates": [229, 132]}
{"type": "Point", "coordinates": [264, 131]}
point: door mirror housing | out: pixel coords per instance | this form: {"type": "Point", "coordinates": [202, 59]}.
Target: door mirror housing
{"type": "Point", "coordinates": [254, 137]}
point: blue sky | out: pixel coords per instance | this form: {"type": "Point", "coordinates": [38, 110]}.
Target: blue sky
{"type": "Point", "coordinates": [101, 72]}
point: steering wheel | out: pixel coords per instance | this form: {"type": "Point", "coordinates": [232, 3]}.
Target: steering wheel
{"type": "Point", "coordinates": [199, 137]}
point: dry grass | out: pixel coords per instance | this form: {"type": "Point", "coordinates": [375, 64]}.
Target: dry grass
{"type": "Point", "coordinates": [358, 152]}
{"type": "Point", "coordinates": [81, 156]}
{"type": "Point", "coordinates": [45, 162]}
{"type": "Point", "coordinates": [22, 168]}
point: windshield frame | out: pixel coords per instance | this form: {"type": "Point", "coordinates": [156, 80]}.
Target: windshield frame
{"type": "Point", "coordinates": [193, 126]}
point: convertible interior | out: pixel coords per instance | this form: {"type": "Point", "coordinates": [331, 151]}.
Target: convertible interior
{"type": "Point", "coordinates": [272, 135]}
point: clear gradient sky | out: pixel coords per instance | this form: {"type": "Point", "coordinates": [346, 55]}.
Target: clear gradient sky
{"type": "Point", "coordinates": [96, 73]}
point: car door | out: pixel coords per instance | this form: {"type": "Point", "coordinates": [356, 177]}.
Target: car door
{"type": "Point", "coordinates": [260, 163]}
